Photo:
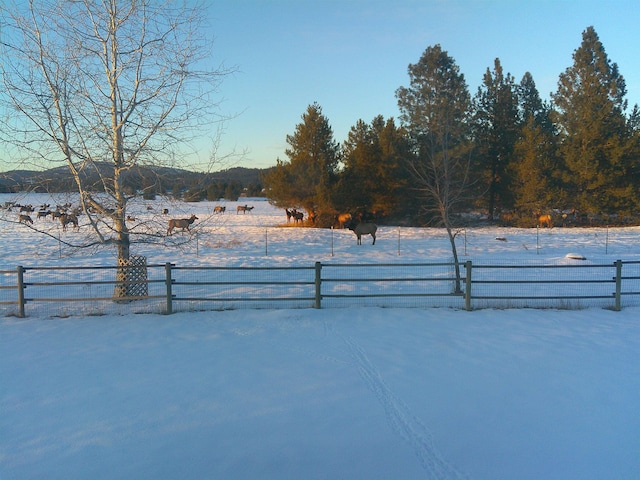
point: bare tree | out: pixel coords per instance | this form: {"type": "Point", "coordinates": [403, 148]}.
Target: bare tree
{"type": "Point", "coordinates": [104, 87]}
{"type": "Point", "coordinates": [435, 109]}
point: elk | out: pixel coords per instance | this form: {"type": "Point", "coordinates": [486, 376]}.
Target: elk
{"type": "Point", "coordinates": [66, 219]}
{"type": "Point", "coordinates": [244, 209]}
{"type": "Point", "coordinates": [43, 214]}
{"type": "Point", "coordinates": [219, 209]}
{"type": "Point", "coordinates": [26, 219]}
{"type": "Point", "coordinates": [182, 223]}
{"type": "Point", "coordinates": [545, 221]}
{"type": "Point", "coordinates": [364, 229]}
{"type": "Point", "coordinates": [298, 217]}
{"type": "Point", "coordinates": [290, 213]}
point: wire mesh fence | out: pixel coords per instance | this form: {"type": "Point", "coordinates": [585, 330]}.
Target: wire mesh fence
{"type": "Point", "coordinates": [221, 288]}
{"type": "Point", "coordinates": [66, 291]}
{"type": "Point", "coordinates": [543, 286]}
{"type": "Point", "coordinates": [167, 288]}
{"type": "Point", "coordinates": [392, 285]}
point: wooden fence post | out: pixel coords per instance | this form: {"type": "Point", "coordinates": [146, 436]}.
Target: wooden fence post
{"type": "Point", "coordinates": [21, 301]}
{"type": "Point", "coordinates": [318, 284]}
{"type": "Point", "coordinates": [618, 265]}
{"type": "Point", "coordinates": [168, 282]}
{"type": "Point", "coordinates": [467, 290]}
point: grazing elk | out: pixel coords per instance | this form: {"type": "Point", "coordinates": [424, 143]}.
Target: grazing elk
{"type": "Point", "coordinates": [244, 209]}
{"type": "Point", "coordinates": [364, 229]}
{"type": "Point", "coordinates": [545, 221]}
{"type": "Point", "coordinates": [26, 219]}
{"type": "Point", "coordinates": [66, 219]}
{"type": "Point", "coordinates": [182, 223]}
{"type": "Point", "coordinates": [219, 209]}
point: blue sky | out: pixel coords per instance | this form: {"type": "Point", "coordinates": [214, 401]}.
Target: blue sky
{"type": "Point", "coordinates": [350, 56]}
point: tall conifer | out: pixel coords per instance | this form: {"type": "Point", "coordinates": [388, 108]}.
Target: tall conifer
{"type": "Point", "coordinates": [496, 126]}
{"type": "Point", "coordinates": [590, 114]}
{"type": "Point", "coordinates": [534, 169]}
{"type": "Point", "coordinates": [307, 180]}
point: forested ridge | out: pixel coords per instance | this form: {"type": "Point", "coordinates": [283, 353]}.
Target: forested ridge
{"type": "Point", "coordinates": [504, 152]}
{"type": "Point", "coordinates": [149, 181]}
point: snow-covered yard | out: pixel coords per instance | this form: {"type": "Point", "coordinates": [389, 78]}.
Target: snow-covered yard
{"type": "Point", "coordinates": [354, 393]}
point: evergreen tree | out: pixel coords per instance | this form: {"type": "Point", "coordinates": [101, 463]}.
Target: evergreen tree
{"type": "Point", "coordinates": [534, 169]}
{"type": "Point", "coordinates": [496, 127]}
{"type": "Point", "coordinates": [372, 178]}
{"type": "Point", "coordinates": [307, 180]}
{"type": "Point", "coordinates": [596, 142]}
{"type": "Point", "coordinates": [436, 109]}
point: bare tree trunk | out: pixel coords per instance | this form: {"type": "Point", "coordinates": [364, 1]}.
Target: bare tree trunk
{"type": "Point", "coordinates": [454, 251]}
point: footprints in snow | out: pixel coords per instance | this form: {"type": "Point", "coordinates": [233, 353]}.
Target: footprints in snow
{"type": "Point", "coordinates": [405, 424]}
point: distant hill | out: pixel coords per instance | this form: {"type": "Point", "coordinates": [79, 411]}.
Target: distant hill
{"type": "Point", "coordinates": [160, 179]}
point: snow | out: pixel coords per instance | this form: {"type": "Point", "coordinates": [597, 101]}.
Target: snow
{"type": "Point", "coordinates": [354, 393]}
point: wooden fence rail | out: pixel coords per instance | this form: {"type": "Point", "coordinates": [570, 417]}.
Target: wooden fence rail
{"type": "Point", "coordinates": [169, 288]}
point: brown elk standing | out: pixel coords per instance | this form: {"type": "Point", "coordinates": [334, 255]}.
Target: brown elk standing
{"type": "Point", "coordinates": [219, 209]}
{"type": "Point", "coordinates": [244, 209]}
{"type": "Point", "coordinates": [182, 223]}
{"type": "Point", "coordinates": [545, 221]}
{"type": "Point", "coordinates": [364, 229]}
{"type": "Point", "coordinates": [66, 219]}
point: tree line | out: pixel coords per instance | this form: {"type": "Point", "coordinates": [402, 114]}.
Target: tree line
{"type": "Point", "coordinates": [504, 151]}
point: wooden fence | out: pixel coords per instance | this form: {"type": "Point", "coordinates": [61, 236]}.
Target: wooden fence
{"type": "Point", "coordinates": [169, 288]}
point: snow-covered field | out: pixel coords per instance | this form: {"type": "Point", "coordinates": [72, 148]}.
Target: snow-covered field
{"type": "Point", "coordinates": [354, 393]}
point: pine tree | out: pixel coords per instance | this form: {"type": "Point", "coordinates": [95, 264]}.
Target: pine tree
{"type": "Point", "coordinates": [534, 169]}
{"type": "Point", "coordinates": [496, 126]}
{"type": "Point", "coordinates": [308, 179]}
{"type": "Point", "coordinates": [595, 138]}
{"type": "Point", "coordinates": [372, 179]}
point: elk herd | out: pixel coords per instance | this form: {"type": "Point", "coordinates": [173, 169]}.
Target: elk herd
{"type": "Point", "coordinates": [64, 213]}
{"type": "Point", "coordinates": [342, 220]}
{"type": "Point", "coordinates": [68, 215]}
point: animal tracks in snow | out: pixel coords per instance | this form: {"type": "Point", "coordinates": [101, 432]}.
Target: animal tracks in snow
{"type": "Point", "coordinates": [401, 420]}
